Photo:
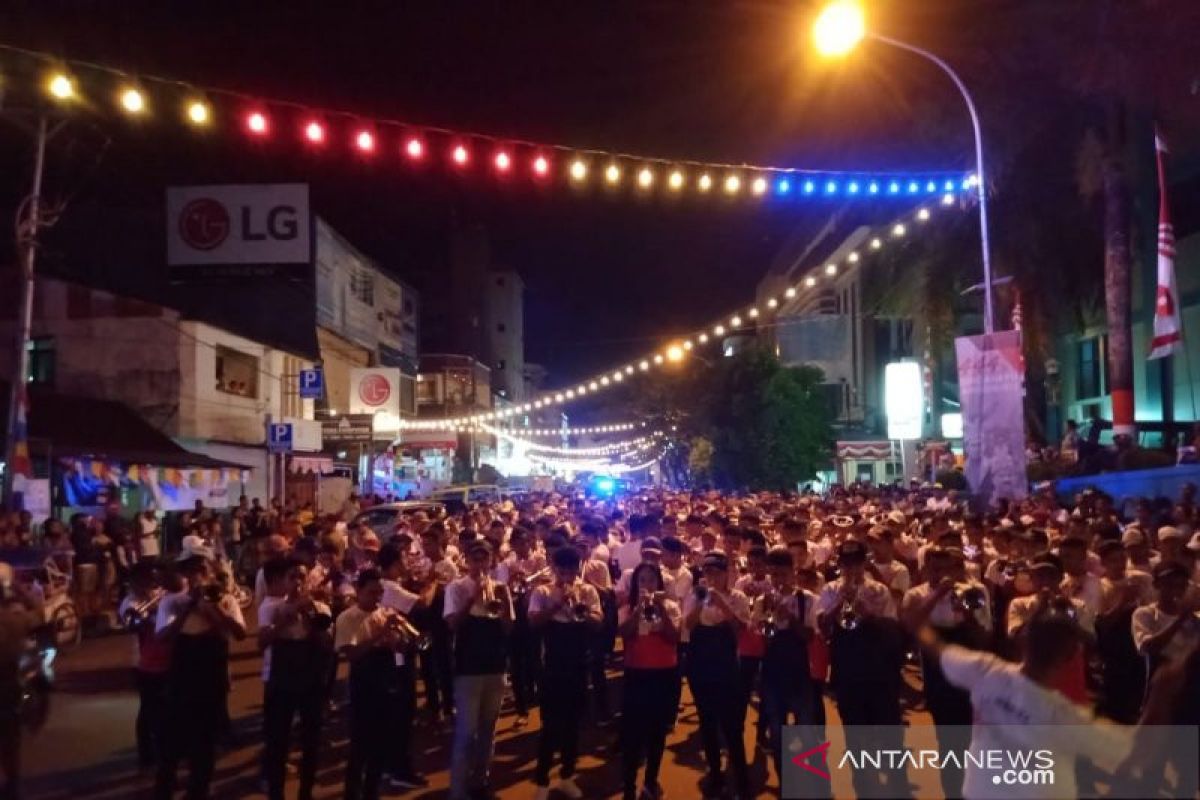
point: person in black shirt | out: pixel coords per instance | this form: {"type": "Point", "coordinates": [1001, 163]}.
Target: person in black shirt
{"type": "Point", "coordinates": [566, 613]}
{"type": "Point", "coordinates": [479, 611]}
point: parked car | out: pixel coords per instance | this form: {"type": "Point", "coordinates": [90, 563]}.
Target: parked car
{"type": "Point", "coordinates": [384, 518]}
{"type": "Point", "coordinates": [458, 498]}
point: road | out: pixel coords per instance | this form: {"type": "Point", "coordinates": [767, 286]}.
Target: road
{"type": "Point", "coordinates": [86, 750]}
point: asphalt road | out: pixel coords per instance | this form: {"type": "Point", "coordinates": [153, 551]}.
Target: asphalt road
{"type": "Point", "coordinates": [86, 750]}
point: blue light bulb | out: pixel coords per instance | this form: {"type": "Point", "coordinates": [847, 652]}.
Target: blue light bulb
{"type": "Point", "coordinates": [893, 187]}
{"type": "Point", "coordinates": [949, 187]}
{"type": "Point", "coordinates": [830, 187]}
{"type": "Point", "coordinates": [931, 187]}
{"type": "Point", "coordinates": [913, 187]}
{"type": "Point", "coordinates": [873, 188]}
{"type": "Point", "coordinates": [784, 186]}
{"type": "Point", "coordinates": [808, 187]}
{"type": "Point", "coordinates": [853, 187]}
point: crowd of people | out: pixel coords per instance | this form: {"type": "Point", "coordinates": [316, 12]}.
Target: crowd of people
{"type": "Point", "coordinates": [787, 606]}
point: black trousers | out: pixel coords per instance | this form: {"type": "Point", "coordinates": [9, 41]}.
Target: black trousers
{"type": "Point", "coordinates": [751, 668]}
{"type": "Point", "coordinates": [190, 733]}
{"type": "Point", "coordinates": [597, 659]}
{"type": "Point", "coordinates": [435, 670]}
{"type": "Point", "coordinates": [875, 704]}
{"type": "Point", "coordinates": [152, 698]}
{"type": "Point", "coordinates": [10, 741]}
{"type": "Point", "coordinates": [524, 665]}
{"type": "Point", "coordinates": [281, 706]}
{"type": "Point", "coordinates": [563, 699]}
{"type": "Point", "coordinates": [403, 706]}
{"type": "Point", "coordinates": [647, 712]}
{"type": "Point", "coordinates": [370, 732]}
{"type": "Point", "coordinates": [722, 716]}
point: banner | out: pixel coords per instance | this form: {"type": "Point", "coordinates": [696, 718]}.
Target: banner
{"type": "Point", "coordinates": [990, 380]}
{"type": "Point", "coordinates": [88, 483]}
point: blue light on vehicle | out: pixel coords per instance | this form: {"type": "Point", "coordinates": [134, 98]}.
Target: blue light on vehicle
{"type": "Point", "coordinates": [605, 485]}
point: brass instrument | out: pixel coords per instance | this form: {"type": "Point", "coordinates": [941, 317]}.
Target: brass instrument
{"type": "Point", "coordinates": [408, 633]}
{"type": "Point", "coordinates": [139, 614]}
{"type": "Point", "coordinates": [848, 618]}
{"type": "Point", "coordinates": [767, 626]}
{"type": "Point", "coordinates": [520, 587]}
{"type": "Point", "coordinates": [650, 612]}
{"type": "Point", "coordinates": [702, 593]}
{"type": "Point", "coordinates": [579, 609]}
{"type": "Point", "coordinates": [492, 604]}
{"type": "Point", "coordinates": [968, 597]}
{"type": "Point", "coordinates": [1060, 606]}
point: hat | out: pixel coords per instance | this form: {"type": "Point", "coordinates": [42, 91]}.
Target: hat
{"type": "Point", "coordinates": [1133, 537]}
{"type": "Point", "coordinates": [897, 517]}
{"type": "Point", "coordinates": [194, 546]}
{"type": "Point", "coordinates": [651, 544]}
{"type": "Point", "coordinates": [842, 521]}
{"type": "Point", "coordinates": [1194, 544]}
{"type": "Point", "coordinates": [715, 559]}
{"type": "Point", "coordinates": [852, 550]}
{"type": "Point", "coordinates": [1169, 532]}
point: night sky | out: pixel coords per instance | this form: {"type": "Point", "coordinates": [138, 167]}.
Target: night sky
{"type": "Point", "coordinates": [607, 276]}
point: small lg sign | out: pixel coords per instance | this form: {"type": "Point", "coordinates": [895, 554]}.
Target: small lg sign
{"type": "Point", "coordinates": [374, 390]}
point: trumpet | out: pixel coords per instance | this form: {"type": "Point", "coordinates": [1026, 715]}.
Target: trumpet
{"type": "Point", "coordinates": [519, 587]}
{"type": "Point", "coordinates": [139, 614]}
{"type": "Point", "coordinates": [848, 618]}
{"type": "Point", "coordinates": [768, 627]}
{"type": "Point", "coordinates": [579, 609]}
{"type": "Point", "coordinates": [1061, 606]}
{"type": "Point", "coordinates": [492, 604]}
{"type": "Point", "coordinates": [409, 635]}
{"type": "Point", "coordinates": [967, 597]}
{"type": "Point", "coordinates": [650, 612]}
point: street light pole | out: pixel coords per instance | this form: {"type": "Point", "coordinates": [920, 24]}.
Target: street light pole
{"type": "Point", "coordinates": [988, 320]}
{"type": "Point", "coordinates": [29, 233]}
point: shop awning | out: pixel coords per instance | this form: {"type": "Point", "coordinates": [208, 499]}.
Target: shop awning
{"type": "Point", "coordinates": [72, 426]}
{"type": "Point", "coordinates": [316, 465]}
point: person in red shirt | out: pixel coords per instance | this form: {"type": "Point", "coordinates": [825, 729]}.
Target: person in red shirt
{"type": "Point", "coordinates": [649, 625]}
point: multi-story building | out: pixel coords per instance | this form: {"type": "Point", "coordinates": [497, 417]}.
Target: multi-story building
{"type": "Point", "coordinates": [504, 334]}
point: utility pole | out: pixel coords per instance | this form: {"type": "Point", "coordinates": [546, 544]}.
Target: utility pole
{"type": "Point", "coordinates": [27, 235]}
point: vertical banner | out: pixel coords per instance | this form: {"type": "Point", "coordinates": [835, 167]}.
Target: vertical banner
{"type": "Point", "coordinates": [990, 379]}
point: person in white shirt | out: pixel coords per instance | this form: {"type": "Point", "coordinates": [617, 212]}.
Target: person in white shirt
{"type": "Point", "coordinates": [565, 614]}
{"type": "Point", "coordinates": [1169, 628]}
{"type": "Point", "coordinates": [1123, 674]}
{"type": "Point", "coordinates": [293, 635]}
{"type": "Point", "coordinates": [1016, 707]}
{"type": "Point", "coordinates": [521, 571]}
{"type": "Point", "coordinates": [1078, 582]}
{"type": "Point", "coordinates": [883, 566]}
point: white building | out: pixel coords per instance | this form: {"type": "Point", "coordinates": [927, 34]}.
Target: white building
{"type": "Point", "coordinates": [504, 334]}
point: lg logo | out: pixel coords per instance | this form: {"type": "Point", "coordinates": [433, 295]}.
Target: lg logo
{"type": "Point", "coordinates": [374, 390]}
{"type": "Point", "coordinates": [204, 223]}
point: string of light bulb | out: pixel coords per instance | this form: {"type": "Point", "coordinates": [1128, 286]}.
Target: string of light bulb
{"type": "Point", "coordinates": [742, 321]}
{"type": "Point", "coordinates": [613, 448]}
{"type": "Point", "coordinates": [587, 430]}
{"type": "Point", "coordinates": [264, 119]}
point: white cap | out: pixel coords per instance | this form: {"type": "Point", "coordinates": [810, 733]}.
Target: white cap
{"type": "Point", "coordinates": [193, 546]}
{"type": "Point", "coordinates": [1194, 544]}
{"type": "Point", "coordinates": [1133, 537]}
{"type": "Point", "coordinates": [1169, 532]}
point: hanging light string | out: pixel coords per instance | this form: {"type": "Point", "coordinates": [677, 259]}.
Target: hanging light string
{"type": "Point", "coordinates": [740, 322]}
{"type": "Point", "coordinates": [266, 119]}
{"type": "Point", "coordinates": [592, 464]}
{"type": "Point", "coordinates": [613, 448]}
{"type": "Point", "coordinates": [588, 430]}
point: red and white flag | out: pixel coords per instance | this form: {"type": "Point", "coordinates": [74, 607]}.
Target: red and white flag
{"type": "Point", "coordinates": [1168, 337]}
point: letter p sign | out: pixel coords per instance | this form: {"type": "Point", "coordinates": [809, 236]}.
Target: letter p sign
{"type": "Point", "coordinates": [312, 383]}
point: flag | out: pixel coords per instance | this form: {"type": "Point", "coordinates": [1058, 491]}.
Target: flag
{"type": "Point", "coordinates": [22, 467]}
{"type": "Point", "coordinates": [1016, 311]}
{"type": "Point", "coordinates": [1167, 337]}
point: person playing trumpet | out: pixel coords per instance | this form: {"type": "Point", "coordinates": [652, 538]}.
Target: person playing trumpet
{"type": "Point", "coordinates": [294, 638]}
{"type": "Point", "coordinates": [566, 614]}
{"type": "Point", "coordinates": [523, 569]}
{"type": "Point", "coordinates": [479, 611]}
{"type": "Point", "coordinates": [649, 625]}
{"type": "Point", "coordinates": [151, 657]}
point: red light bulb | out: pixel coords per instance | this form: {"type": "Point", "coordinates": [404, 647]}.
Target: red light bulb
{"type": "Point", "coordinates": [256, 123]}
{"type": "Point", "coordinates": [314, 132]}
{"type": "Point", "coordinates": [503, 162]}
{"type": "Point", "coordinates": [460, 155]}
{"type": "Point", "coordinates": [414, 148]}
{"type": "Point", "coordinates": [540, 165]}
{"type": "Point", "coordinates": [364, 141]}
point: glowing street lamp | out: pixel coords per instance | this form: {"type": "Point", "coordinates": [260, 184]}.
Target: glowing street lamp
{"type": "Point", "coordinates": [838, 30]}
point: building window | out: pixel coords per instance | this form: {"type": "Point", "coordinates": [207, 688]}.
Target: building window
{"type": "Point", "coordinates": [362, 285]}
{"type": "Point", "coordinates": [1090, 375]}
{"type": "Point", "coordinates": [41, 361]}
{"type": "Point", "coordinates": [237, 372]}
{"type": "Point", "coordinates": [501, 327]}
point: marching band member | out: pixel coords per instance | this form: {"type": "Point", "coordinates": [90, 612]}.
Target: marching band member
{"type": "Point", "coordinates": [564, 613]}
{"type": "Point", "coordinates": [521, 570]}
{"type": "Point", "coordinates": [595, 572]}
{"type": "Point", "coordinates": [713, 615]}
{"type": "Point", "coordinates": [151, 658]}
{"type": "Point", "coordinates": [649, 625]}
{"type": "Point", "coordinates": [751, 643]}
{"type": "Point", "coordinates": [197, 622]}
{"type": "Point", "coordinates": [479, 611]}
{"type": "Point", "coordinates": [294, 638]}
{"type": "Point", "coordinates": [1123, 670]}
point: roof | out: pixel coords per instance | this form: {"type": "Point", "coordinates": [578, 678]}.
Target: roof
{"type": "Point", "coordinates": [76, 426]}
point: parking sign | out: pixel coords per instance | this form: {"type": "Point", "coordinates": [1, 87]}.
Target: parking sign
{"type": "Point", "coordinates": [279, 437]}
{"type": "Point", "coordinates": [312, 383]}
